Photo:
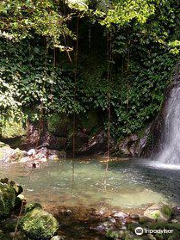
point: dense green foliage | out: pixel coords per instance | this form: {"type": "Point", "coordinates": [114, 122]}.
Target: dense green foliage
{"type": "Point", "coordinates": [69, 56]}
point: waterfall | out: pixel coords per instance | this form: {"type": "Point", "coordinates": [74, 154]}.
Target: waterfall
{"type": "Point", "coordinates": [170, 153]}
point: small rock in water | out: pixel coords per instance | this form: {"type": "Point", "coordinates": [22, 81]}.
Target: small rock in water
{"type": "Point", "coordinates": [120, 215]}
{"type": "Point", "coordinates": [31, 152]}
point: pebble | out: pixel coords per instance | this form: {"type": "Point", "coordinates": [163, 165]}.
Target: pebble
{"type": "Point", "coordinates": [120, 215]}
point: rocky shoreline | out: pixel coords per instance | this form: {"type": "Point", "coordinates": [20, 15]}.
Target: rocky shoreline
{"type": "Point", "coordinates": [33, 157]}
{"type": "Point", "coordinates": [21, 221]}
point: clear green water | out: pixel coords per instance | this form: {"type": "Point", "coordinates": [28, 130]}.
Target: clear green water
{"type": "Point", "coordinates": [130, 184]}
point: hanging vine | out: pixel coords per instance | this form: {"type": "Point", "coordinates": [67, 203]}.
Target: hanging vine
{"type": "Point", "coordinates": [109, 76]}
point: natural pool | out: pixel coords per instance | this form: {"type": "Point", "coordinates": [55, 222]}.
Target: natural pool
{"type": "Point", "coordinates": [130, 183]}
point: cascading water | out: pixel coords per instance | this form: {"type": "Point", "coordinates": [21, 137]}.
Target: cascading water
{"type": "Point", "coordinates": [170, 153]}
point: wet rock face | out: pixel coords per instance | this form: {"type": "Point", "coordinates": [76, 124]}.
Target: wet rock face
{"type": "Point", "coordinates": [155, 137]}
{"type": "Point", "coordinates": [133, 145]}
{"type": "Point", "coordinates": [96, 144]}
{"type": "Point", "coordinates": [47, 139]}
{"type": "Point", "coordinates": [55, 132]}
{"type": "Point", "coordinates": [39, 225]}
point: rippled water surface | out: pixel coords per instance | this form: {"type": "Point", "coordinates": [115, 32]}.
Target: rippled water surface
{"type": "Point", "coordinates": [130, 183]}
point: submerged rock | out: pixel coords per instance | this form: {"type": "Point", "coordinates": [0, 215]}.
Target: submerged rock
{"type": "Point", "coordinates": [38, 224]}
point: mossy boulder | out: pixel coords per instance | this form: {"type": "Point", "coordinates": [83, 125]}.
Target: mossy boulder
{"type": "Point", "coordinates": [159, 212]}
{"type": "Point", "coordinates": [12, 129]}
{"type": "Point", "coordinates": [8, 199]}
{"type": "Point", "coordinates": [39, 225]}
{"type": "Point", "coordinates": [18, 189]}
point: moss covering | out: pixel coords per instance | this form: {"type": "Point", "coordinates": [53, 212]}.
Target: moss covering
{"type": "Point", "coordinates": [58, 125]}
{"type": "Point", "coordinates": [29, 207]}
{"type": "Point", "coordinates": [159, 212]}
{"type": "Point", "coordinates": [38, 224]}
{"type": "Point", "coordinates": [175, 235]}
{"type": "Point", "coordinates": [7, 199]}
{"type": "Point", "coordinates": [12, 129]}
{"type": "Point", "coordinates": [112, 234]}
{"type": "Point", "coordinates": [91, 121]}
{"type": "Point", "coordinates": [167, 210]}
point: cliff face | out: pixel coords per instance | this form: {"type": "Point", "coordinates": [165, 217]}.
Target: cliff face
{"type": "Point", "coordinates": [157, 130]}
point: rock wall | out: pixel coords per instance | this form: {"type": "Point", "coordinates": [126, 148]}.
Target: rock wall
{"type": "Point", "coordinates": [56, 132]}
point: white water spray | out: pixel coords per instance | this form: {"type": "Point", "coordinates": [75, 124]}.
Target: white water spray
{"type": "Point", "coordinates": [170, 153]}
